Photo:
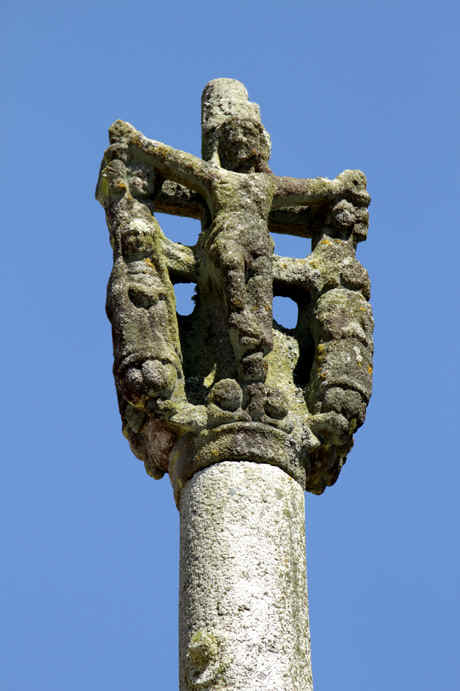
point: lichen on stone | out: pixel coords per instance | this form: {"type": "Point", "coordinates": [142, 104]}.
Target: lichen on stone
{"type": "Point", "coordinates": [227, 380]}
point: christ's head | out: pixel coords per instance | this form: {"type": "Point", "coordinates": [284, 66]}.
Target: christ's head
{"type": "Point", "coordinates": [244, 146]}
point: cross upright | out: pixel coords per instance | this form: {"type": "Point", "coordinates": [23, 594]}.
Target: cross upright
{"type": "Point", "coordinates": [242, 413]}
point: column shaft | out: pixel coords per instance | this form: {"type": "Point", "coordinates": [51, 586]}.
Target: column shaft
{"type": "Point", "coordinates": [243, 592]}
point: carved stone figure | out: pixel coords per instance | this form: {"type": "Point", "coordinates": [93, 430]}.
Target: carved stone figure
{"type": "Point", "coordinates": [226, 382]}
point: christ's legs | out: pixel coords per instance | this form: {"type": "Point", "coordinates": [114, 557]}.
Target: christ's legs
{"type": "Point", "coordinates": [245, 277]}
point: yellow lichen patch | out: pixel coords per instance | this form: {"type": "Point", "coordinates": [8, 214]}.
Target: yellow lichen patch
{"type": "Point", "coordinates": [209, 379]}
{"type": "Point", "coordinates": [369, 369]}
{"type": "Point", "coordinates": [321, 351]}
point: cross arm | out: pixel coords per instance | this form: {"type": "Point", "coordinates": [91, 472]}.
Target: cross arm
{"type": "Point", "coordinates": [293, 220]}
{"type": "Point", "coordinates": [180, 260]}
{"type": "Point", "coordinates": [178, 200]}
{"type": "Point", "coordinates": [291, 276]}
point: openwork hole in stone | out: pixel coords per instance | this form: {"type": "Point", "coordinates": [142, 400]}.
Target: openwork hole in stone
{"type": "Point", "coordinates": [285, 312]}
{"type": "Point", "coordinates": [184, 298]}
{"type": "Point", "coordinates": [291, 246]}
{"type": "Point", "coordinates": [183, 230]}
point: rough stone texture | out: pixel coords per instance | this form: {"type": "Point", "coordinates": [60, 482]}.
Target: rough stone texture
{"type": "Point", "coordinates": [228, 379]}
{"type": "Point", "coordinates": [243, 594]}
{"type": "Point", "coordinates": [222, 101]}
{"type": "Point", "coordinates": [242, 413]}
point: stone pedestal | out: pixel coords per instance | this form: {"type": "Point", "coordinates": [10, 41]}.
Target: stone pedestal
{"type": "Point", "coordinates": [243, 592]}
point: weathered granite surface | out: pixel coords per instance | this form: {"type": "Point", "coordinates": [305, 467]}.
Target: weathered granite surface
{"type": "Point", "coordinates": [243, 592]}
{"type": "Point", "coordinates": [227, 383]}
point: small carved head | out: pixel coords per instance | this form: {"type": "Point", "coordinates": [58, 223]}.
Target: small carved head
{"type": "Point", "coordinates": [137, 240]}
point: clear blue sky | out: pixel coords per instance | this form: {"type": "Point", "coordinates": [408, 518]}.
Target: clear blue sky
{"type": "Point", "coordinates": [90, 543]}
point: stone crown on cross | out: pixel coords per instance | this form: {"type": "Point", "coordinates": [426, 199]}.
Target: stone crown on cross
{"type": "Point", "coordinates": [227, 382]}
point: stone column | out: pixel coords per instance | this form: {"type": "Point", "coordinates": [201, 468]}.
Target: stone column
{"type": "Point", "coordinates": [243, 592]}
{"type": "Point", "coordinates": [242, 413]}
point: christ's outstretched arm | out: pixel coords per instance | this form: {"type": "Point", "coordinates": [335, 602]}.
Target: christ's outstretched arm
{"type": "Point", "coordinates": [350, 185]}
{"type": "Point", "coordinates": [173, 164]}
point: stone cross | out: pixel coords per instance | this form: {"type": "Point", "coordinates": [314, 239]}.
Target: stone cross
{"type": "Point", "coordinates": [242, 413]}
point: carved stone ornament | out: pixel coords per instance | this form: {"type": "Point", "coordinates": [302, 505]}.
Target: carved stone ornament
{"type": "Point", "coordinates": [227, 383]}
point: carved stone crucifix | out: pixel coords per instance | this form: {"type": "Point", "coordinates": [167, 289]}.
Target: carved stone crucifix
{"type": "Point", "coordinates": [228, 384]}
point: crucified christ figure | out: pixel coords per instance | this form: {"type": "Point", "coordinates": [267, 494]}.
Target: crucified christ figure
{"type": "Point", "coordinates": [239, 198]}
{"type": "Point", "coordinates": [228, 368]}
